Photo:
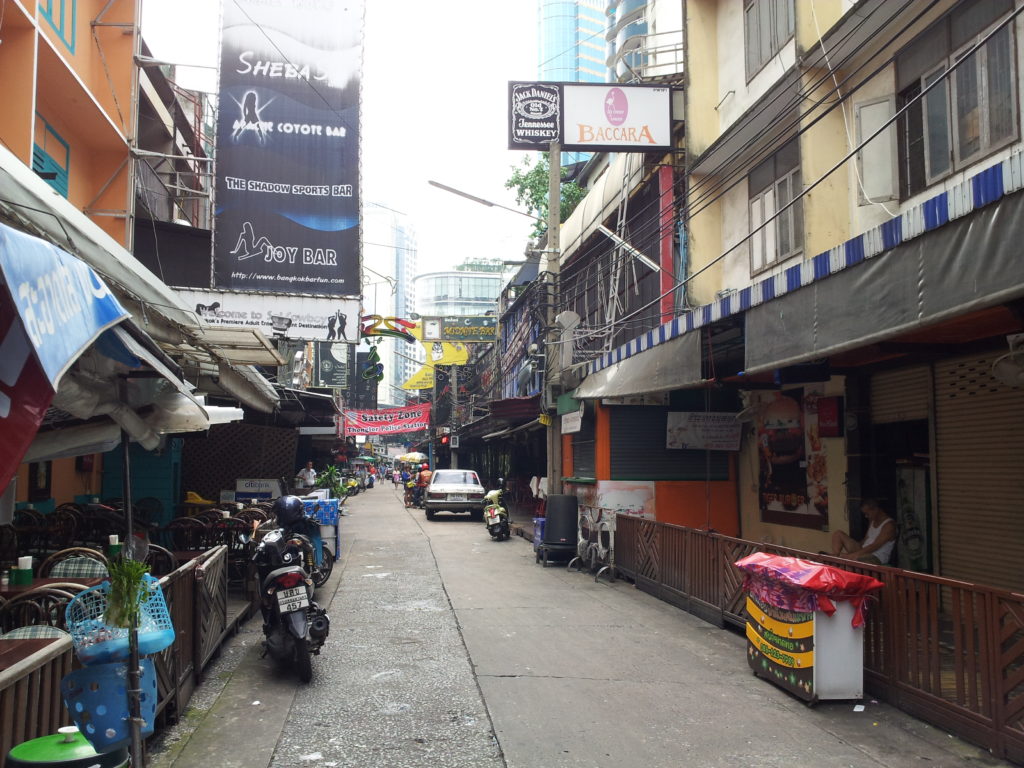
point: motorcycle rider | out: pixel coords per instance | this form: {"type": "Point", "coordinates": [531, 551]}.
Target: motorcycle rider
{"type": "Point", "coordinates": [422, 481]}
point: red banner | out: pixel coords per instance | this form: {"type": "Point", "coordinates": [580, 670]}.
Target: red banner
{"type": "Point", "coordinates": [388, 421]}
{"type": "Point", "coordinates": [25, 392]}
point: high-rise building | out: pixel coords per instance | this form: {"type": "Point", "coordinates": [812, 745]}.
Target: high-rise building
{"type": "Point", "coordinates": [389, 268]}
{"type": "Point", "coordinates": [469, 289]}
{"type": "Point", "coordinates": [571, 47]}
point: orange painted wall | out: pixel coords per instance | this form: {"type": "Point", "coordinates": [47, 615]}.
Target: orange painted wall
{"type": "Point", "coordinates": [66, 482]}
{"type": "Point", "coordinates": [17, 54]}
{"type": "Point", "coordinates": [602, 442]}
{"type": "Point", "coordinates": [686, 503]}
{"type": "Point", "coordinates": [566, 455]}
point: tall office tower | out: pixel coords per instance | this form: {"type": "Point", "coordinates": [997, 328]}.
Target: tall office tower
{"type": "Point", "coordinates": [389, 271]}
{"type": "Point", "coordinates": [571, 47]}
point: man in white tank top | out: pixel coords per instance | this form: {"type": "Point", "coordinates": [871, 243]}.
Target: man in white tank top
{"type": "Point", "coordinates": [878, 541]}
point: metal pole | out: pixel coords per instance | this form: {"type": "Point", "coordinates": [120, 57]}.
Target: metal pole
{"type": "Point", "coordinates": [553, 373]}
{"type": "Point", "coordinates": [134, 688]}
{"type": "Point", "coordinates": [453, 421]}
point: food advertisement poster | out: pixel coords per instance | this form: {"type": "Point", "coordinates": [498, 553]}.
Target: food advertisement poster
{"type": "Point", "coordinates": [792, 466]}
{"type": "Point", "coordinates": [287, 191]}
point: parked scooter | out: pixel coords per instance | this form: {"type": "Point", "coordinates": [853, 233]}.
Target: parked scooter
{"type": "Point", "coordinates": [294, 626]}
{"type": "Point", "coordinates": [495, 514]}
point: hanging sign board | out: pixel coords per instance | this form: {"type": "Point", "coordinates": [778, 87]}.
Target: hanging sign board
{"type": "Point", "coordinates": [590, 116]}
{"type": "Point", "coordinates": [703, 431]}
{"type": "Point", "coordinates": [387, 421]}
{"type": "Point", "coordinates": [572, 422]}
{"type": "Point", "coordinates": [468, 328]}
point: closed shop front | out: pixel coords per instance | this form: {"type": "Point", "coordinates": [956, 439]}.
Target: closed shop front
{"type": "Point", "coordinates": [980, 469]}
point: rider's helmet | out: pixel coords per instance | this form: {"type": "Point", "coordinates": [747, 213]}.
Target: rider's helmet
{"type": "Point", "coordinates": [424, 466]}
{"type": "Point", "coordinates": [288, 510]}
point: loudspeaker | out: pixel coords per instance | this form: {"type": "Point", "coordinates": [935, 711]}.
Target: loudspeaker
{"type": "Point", "coordinates": [562, 513]}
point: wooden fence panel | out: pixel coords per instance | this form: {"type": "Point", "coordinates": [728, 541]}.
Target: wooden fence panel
{"type": "Point", "coordinates": [30, 702]}
{"type": "Point", "coordinates": [211, 604]}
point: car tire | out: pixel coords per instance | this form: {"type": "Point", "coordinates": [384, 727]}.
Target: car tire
{"type": "Point", "coordinates": [430, 514]}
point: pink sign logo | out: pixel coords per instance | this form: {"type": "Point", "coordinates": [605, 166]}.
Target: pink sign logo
{"type": "Point", "coordinates": [616, 106]}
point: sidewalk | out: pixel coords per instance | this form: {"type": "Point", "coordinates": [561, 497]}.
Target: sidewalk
{"type": "Point", "coordinates": [450, 649]}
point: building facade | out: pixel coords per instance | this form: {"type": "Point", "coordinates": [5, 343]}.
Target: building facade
{"type": "Point", "coordinates": [468, 291]}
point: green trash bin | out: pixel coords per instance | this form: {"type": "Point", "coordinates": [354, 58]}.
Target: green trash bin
{"type": "Point", "coordinates": [65, 749]}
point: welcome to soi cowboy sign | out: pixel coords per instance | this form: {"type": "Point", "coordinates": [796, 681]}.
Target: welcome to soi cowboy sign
{"type": "Point", "coordinates": [589, 116]}
{"type": "Point", "coordinates": [387, 421]}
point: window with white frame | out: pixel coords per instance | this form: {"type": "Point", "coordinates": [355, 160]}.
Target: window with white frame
{"type": "Point", "coordinates": [968, 113]}
{"type": "Point", "coordinates": [773, 185]}
{"type": "Point", "coordinates": [767, 26]}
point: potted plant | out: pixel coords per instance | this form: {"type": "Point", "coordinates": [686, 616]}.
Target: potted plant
{"type": "Point", "coordinates": [128, 591]}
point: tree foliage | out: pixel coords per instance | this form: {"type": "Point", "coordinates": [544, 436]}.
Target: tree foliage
{"type": "Point", "coordinates": [530, 182]}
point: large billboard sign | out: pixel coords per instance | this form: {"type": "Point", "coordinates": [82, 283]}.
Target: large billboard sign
{"type": "Point", "coordinates": [287, 205]}
{"type": "Point", "coordinates": [590, 116]}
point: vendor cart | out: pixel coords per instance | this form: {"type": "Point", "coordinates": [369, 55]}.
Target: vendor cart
{"type": "Point", "coordinates": [805, 626]}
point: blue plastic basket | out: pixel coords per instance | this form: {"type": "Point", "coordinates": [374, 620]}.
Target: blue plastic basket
{"type": "Point", "coordinates": [97, 643]}
{"type": "Point", "coordinates": [97, 699]}
{"type": "Point", "coordinates": [324, 512]}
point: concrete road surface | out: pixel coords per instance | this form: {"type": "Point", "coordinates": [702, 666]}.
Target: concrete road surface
{"type": "Point", "coordinates": [448, 649]}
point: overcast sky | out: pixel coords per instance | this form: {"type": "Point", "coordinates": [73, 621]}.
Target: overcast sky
{"type": "Point", "coordinates": [435, 82]}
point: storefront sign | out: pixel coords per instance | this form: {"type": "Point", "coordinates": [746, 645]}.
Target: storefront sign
{"type": "Point", "coordinates": [387, 421]}
{"type": "Point", "coordinates": [703, 431]}
{"type": "Point", "coordinates": [659, 398]}
{"type": "Point", "coordinates": [256, 488]}
{"type": "Point", "coordinates": [312, 317]}
{"type": "Point", "coordinates": [572, 422]}
{"type": "Point", "coordinates": [480, 328]}
{"type": "Point", "coordinates": [333, 364]}
{"type": "Point", "coordinates": [288, 147]}
{"type": "Point", "coordinates": [590, 116]}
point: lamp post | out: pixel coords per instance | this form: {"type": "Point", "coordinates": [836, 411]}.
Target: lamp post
{"type": "Point", "coordinates": [552, 372]}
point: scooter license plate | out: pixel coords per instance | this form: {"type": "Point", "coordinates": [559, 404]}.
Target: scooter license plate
{"type": "Point", "coordinates": [293, 599]}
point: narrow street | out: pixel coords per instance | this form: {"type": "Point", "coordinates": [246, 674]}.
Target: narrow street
{"type": "Point", "coordinates": [449, 649]}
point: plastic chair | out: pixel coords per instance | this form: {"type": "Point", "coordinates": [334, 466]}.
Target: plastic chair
{"type": "Point", "coordinates": [77, 569]}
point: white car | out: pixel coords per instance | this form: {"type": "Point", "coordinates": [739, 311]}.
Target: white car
{"type": "Point", "coordinates": [454, 490]}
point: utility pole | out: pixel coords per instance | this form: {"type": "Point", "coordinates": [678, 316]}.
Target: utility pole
{"type": "Point", "coordinates": [453, 420]}
{"type": "Point", "coordinates": [553, 373]}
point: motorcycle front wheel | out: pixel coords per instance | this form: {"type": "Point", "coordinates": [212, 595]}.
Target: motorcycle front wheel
{"type": "Point", "coordinates": [303, 660]}
{"type": "Point", "coordinates": [323, 572]}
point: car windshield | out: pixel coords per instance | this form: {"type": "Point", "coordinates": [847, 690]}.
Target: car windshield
{"type": "Point", "coordinates": [455, 477]}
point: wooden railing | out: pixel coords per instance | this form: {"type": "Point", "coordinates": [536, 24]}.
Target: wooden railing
{"type": "Point", "coordinates": [949, 652]}
{"type": "Point", "coordinates": [30, 701]}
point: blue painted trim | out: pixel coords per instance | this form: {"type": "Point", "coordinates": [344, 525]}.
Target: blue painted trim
{"type": "Point", "coordinates": [986, 187]}
{"type": "Point", "coordinates": [936, 212]}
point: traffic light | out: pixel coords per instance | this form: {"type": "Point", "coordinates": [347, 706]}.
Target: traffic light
{"type": "Point", "coordinates": [444, 439]}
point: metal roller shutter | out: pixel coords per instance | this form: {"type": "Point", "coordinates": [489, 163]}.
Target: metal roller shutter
{"type": "Point", "coordinates": [979, 429]}
{"type": "Point", "coordinates": [638, 452]}
{"type": "Point", "coordinates": [900, 395]}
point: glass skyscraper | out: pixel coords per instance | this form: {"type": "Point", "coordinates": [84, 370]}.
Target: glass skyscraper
{"type": "Point", "coordinates": [571, 47]}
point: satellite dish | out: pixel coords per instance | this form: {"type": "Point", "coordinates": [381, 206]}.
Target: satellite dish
{"type": "Point", "coordinates": [1009, 369]}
